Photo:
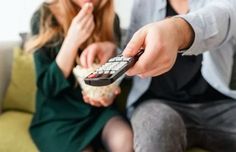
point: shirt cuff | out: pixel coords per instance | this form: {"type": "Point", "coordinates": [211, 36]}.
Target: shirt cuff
{"type": "Point", "coordinates": [198, 34]}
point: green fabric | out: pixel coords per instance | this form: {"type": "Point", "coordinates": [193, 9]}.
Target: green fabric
{"type": "Point", "coordinates": [14, 136]}
{"type": "Point", "coordinates": [20, 94]}
{"type": "Point", "coordinates": [63, 121]}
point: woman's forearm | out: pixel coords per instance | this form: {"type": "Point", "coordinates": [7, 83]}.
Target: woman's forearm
{"type": "Point", "coordinates": [66, 57]}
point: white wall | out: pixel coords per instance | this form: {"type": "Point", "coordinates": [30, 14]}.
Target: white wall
{"type": "Point", "coordinates": [15, 16]}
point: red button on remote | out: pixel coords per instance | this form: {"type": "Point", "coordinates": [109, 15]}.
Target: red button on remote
{"type": "Point", "coordinates": [92, 76]}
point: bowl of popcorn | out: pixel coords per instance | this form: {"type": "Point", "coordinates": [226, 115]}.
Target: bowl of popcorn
{"type": "Point", "coordinates": [94, 92]}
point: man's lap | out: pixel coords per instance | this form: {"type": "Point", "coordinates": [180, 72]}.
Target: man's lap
{"type": "Point", "coordinates": [208, 125]}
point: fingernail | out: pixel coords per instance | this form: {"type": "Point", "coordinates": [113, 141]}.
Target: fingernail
{"type": "Point", "coordinates": [89, 6]}
{"type": "Point", "coordinates": [127, 53]}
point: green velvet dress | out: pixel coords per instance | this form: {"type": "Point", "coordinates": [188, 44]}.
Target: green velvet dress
{"type": "Point", "coordinates": [62, 122]}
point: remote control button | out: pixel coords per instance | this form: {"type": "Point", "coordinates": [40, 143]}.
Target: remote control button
{"type": "Point", "coordinates": [112, 72]}
{"type": "Point", "coordinates": [99, 69]}
{"type": "Point", "coordinates": [107, 66]}
{"type": "Point", "coordinates": [100, 72]}
{"type": "Point", "coordinates": [119, 66]}
{"type": "Point", "coordinates": [106, 72]}
{"type": "Point", "coordinates": [110, 67]}
{"type": "Point", "coordinates": [114, 65]}
{"type": "Point", "coordinates": [93, 76]}
{"type": "Point", "coordinates": [105, 76]}
{"type": "Point", "coordinates": [119, 59]}
{"type": "Point", "coordinates": [127, 59]}
{"type": "Point", "coordinates": [112, 59]}
{"type": "Point", "coordinates": [95, 72]}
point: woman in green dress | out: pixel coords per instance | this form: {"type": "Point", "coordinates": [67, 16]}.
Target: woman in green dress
{"type": "Point", "coordinates": [62, 30]}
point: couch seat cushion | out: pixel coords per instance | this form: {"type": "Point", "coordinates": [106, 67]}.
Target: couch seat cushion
{"type": "Point", "coordinates": [14, 135]}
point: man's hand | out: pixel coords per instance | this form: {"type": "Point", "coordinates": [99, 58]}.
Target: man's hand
{"type": "Point", "coordinates": [161, 41]}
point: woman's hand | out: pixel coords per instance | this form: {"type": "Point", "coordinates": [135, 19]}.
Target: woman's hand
{"type": "Point", "coordinates": [80, 29]}
{"type": "Point", "coordinates": [102, 102]}
{"type": "Point", "coordinates": [101, 51]}
{"type": "Point", "coordinates": [161, 41]}
{"type": "Point", "coordinates": [81, 26]}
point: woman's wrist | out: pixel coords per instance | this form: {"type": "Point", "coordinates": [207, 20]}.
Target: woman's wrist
{"type": "Point", "coordinates": [185, 32]}
{"type": "Point", "coordinates": [72, 43]}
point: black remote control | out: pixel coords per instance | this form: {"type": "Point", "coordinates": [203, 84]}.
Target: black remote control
{"type": "Point", "coordinates": [112, 70]}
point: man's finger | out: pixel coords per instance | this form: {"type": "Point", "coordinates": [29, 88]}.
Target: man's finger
{"type": "Point", "coordinates": [135, 43]}
{"type": "Point", "coordinates": [153, 73]}
{"type": "Point", "coordinates": [136, 69]}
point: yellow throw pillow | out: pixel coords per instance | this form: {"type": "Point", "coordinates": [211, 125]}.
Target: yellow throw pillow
{"type": "Point", "coordinates": [21, 91]}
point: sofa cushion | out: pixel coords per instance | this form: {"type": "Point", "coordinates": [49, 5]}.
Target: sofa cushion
{"type": "Point", "coordinates": [20, 94]}
{"type": "Point", "coordinates": [14, 134]}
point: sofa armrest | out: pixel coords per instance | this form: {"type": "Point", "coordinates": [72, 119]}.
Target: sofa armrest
{"type": "Point", "coordinates": [5, 66]}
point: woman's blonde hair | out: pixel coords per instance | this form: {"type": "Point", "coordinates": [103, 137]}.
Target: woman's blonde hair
{"type": "Point", "coordinates": [49, 32]}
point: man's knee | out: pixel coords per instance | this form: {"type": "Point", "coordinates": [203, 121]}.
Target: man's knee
{"type": "Point", "coordinates": [156, 125]}
{"type": "Point", "coordinates": [153, 113]}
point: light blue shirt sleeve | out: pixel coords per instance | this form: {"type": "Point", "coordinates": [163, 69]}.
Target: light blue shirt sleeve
{"type": "Point", "coordinates": [213, 25]}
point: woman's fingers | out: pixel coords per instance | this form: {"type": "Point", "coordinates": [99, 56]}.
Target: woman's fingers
{"type": "Point", "coordinates": [95, 103]}
{"type": "Point", "coordinates": [99, 102]}
{"type": "Point", "coordinates": [105, 102]}
{"type": "Point", "coordinates": [83, 58]}
{"type": "Point", "coordinates": [117, 91]}
{"type": "Point", "coordinates": [87, 57]}
{"type": "Point", "coordinates": [91, 101]}
{"type": "Point", "coordinates": [92, 53]}
{"type": "Point", "coordinates": [86, 9]}
{"type": "Point", "coordinates": [87, 22]}
{"type": "Point", "coordinates": [108, 101]}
